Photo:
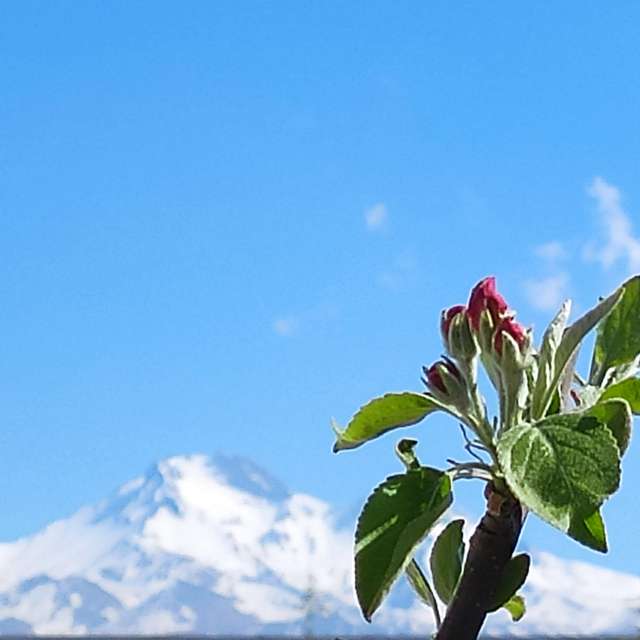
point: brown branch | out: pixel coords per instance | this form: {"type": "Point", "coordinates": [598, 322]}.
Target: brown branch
{"type": "Point", "coordinates": [490, 548]}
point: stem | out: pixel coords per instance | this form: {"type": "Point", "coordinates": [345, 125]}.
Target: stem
{"type": "Point", "coordinates": [482, 426]}
{"type": "Point", "coordinates": [490, 548]}
{"type": "Point", "coordinates": [470, 470]}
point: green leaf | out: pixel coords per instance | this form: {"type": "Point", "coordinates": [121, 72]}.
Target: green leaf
{"type": "Point", "coordinates": [628, 390]}
{"type": "Point", "coordinates": [562, 468]}
{"type": "Point", "coordinates": [570, 342]}
{"type": "Point", "coordinates": [395, 519]}
{"type": "Point", "coordinates": [513, 577]}
{"type": "Point", "coordinates": [405, 451]}
{"type": "Point", "coordinates": [516, 607]}
{"type": "Point", "coordinates": [618, 339]}
{"type": "Point", "coordinates": [616, 414]}
{"type": "Point", "coordinates": [546, 362]}
{"type": "Point", "coordinates": [446, 560]}
{"type": "Point", "coordinates": [383, 414]}
{"type": "Point", "coordinates": [588, 529]}
{"type": "Point", "coordinates": [422, 587]}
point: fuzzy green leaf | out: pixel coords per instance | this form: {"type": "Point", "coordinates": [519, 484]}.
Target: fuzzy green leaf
{"type": "Point", "coordinates": [546, 362]}
{"type": "Point", "coordinates": [616, 414]}
{"type": "Point", "coordinates": [513, 577]}
{"type": "Point", "coordinates": [569, 344]}
{"type": "Point", "coordinates": [563, 468]}
{"type": "Point", "coordinates": [618, 338]}
{"type": "Point", "coordinates": [446, 560]}
{"type": "Point", "coordinates": [516, 607]}
{"type": "Point", "coordinates": [395, 519]}
{"type": "Point", "coordinates": [628, 390]}
{"type": "Point", "coordinates": [383, 414]}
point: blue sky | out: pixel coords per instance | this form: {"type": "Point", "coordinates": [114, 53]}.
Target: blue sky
{"type": "Point", "coordinates": [222, 224]}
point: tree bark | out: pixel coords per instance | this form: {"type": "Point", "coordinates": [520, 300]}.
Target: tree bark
{"type": "Point", "coordinates": [490, 548]}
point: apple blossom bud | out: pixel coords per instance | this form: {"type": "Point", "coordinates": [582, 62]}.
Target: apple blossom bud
{"type": "Point", "coordinates": [462, 344]}
{"type": "Point", "coordinates": [434, 373]}
{"type": "Point", "coordinates": [447, 317]}
{"type": "Point", "coordinates": [513, 328]}
{"type": "Point", "coordinates": [484, 296]}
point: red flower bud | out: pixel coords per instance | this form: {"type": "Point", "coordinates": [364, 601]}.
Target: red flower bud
{"type": "Point", "coordinates": [513, 328]}
{"type": "Point", "coordinates": [434, 377]}
{"type": "Point", "coordinates": [447, 318]}
{"type": "Point", "coordinates": [484, 296]}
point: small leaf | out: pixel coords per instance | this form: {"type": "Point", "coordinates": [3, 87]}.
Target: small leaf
{"type": "Point", "coordinates": [446, 560]}
{"type": "Point", "coordinates": [513, 577]}
{"type": "Point", "coordinates": [516, 607]}
{"type": "Point", "coordinates": [395, 519]}
{"type": "Point", "coordinates": [616, 414]}
{"type": "Point", "coordinates": [546, 362]}
{"type": "Point", "coordinates": [383, 414]}
{"type": "Point", "coordinates": [562, 468]}
{"type": "Point", "coordinates": [588, 529]}
{"type": "Point", "coordinates": [628, 390]}
{"type": "Point", "coordinates": [618, 338]}
{"type": "Point", "coordinates": [421, 586]}
{"type": "Point", "coordinates": [405, 451]}
{"type": "Point", "coordinates": [570, 342]}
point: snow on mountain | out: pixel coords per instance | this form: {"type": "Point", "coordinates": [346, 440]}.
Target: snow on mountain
{"type": "Point", "coordinates": [217, 545]}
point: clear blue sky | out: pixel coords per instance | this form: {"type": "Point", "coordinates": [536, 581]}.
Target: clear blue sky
{"type": "Point", "coordinates": [223, 223]}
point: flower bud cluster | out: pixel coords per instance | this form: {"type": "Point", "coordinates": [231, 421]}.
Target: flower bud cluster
{"type": "Point", "coordinates": [491, 318]}
{"type": "Point", "coordinates": [485, 327]}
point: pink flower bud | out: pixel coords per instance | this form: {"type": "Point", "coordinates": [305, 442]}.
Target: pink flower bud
{"type": "Point", "coordinates": [434, 377]}
{"type": "Point", "coordinates": [513, 328]}
{"type": "Point", "coordinates": [447, 317]}
{"type": "Point", "coordinates": [484, 296]}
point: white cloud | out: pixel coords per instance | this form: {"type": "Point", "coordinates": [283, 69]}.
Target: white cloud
{"type": "Point", "coordinates": [376, 216]}
{"type": "Point", "coordinates": [400, 273]}
{"type": "Point", "coordinates": [547, 294]}
{"type": "Point", "coordinates": [551, 251]}
{"type": "Point", "coordinates": [285, 326]}
{"type": "Point", "coordinates": [619, 242]}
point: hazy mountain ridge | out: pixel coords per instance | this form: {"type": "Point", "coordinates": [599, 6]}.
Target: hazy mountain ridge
{"type": "Point", "coordinates": [217, 545]}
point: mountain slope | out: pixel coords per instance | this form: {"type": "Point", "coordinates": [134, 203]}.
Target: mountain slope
{"type": "Point", "coordinates": [216, 545]}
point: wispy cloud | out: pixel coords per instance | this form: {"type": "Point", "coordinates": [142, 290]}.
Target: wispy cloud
{"type": "Point", "coordinates": [548, 293]}
{"type": "Point", "coordinates": [400, 273]}
{"type": "Point", "coordinates": [552, 251]}
{"type": "Point", "coordinates": [618, 243]}
{"type": "Point", "coordinates": [376, 217]}
{"type": "Point", "coordinates": [286, 326]}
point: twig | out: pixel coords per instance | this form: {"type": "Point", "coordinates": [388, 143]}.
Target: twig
{"type": "Point", "coordinates": [490, 548]}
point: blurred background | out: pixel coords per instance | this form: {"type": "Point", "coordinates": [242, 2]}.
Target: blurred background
{"type": "Point", "coordinates": [223, 224]}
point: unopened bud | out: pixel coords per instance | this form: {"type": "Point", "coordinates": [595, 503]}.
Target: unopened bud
{"type": "Point", "coordinates": [484, 296]}
{"type": "Point", "coordinates": [446, 382]}
{"type": "Point", "coordinates": [512, 328]}
{"type": "Point", "coordinates": [446, 319]}
{"type": "Point", "coordinates": [462, 343]}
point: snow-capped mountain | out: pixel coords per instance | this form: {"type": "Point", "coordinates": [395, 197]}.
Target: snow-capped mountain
{"type": "Point", "coordinates": [218, 546]}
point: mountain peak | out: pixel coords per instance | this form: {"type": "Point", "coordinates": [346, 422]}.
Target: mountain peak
{"type": "Point", "coordinates": [176, 482]}
{"type": "Point", "coordinates": [236, 471]}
